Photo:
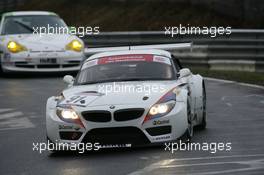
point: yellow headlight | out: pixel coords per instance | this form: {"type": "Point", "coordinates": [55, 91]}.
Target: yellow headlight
{"type": "Point", "coordinates": [14, 47]}
{"type": "Point", "coordinates": [75, 45]}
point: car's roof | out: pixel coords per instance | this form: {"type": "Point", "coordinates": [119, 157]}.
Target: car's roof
{"type": "Point", "coordinates": [128, 52]}
{"type": "Point", "coordinates": [22, 13]}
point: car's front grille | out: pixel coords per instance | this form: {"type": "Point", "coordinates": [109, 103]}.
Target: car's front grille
{"type": "Point", "coordinates": [25, 66]}
{"type": "Point", "coordinates": [128, 114]}
{"type": "Point", "coordinates": [44, 66]}
{"type": "Point", "coordinates": [74, 62]}
{"type": "Point", "coordinates": [97, 116]}
{"type": "Point", "coordinates": [117, 135]}
{"type": "Point", "coordinates": [48, 66]}
{"type": "Point", "coordinates": [70, 65]}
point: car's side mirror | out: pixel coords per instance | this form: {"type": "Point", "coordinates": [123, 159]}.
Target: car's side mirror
{"type": "Point", "coordinates": [68, 79]}
{"type": "Point", "coordinates": [185, 72]}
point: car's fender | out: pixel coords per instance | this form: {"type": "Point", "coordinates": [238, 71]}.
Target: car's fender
{"type": "Point", "coordinates": [196, 95]}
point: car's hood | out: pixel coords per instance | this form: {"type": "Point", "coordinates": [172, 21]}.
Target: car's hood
{"type": "Point", "coordinates": [45, 42]}
{"type": "Point", "coordinates": [100, 94]}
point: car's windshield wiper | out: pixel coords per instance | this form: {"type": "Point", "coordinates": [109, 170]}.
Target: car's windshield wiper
{"type": "Point", "coordinates": [129, 79]}
{"type": "Point", "coordinates": [96, 82]}
{"type": "Point", "coordinates": [24, 25]}
{"type": "Point", "coordinates": [111, 80]}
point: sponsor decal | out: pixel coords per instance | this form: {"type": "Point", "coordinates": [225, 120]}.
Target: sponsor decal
{"type": "Point", "coordinates": [127, 58]}
{"type": "Point", "coordinates": [163, 137]}
{"type": "Point", "coordinates": [160, 122]}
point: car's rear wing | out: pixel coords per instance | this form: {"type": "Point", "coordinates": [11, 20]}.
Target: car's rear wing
{"type": "Point", "coordinates": [167, 47]}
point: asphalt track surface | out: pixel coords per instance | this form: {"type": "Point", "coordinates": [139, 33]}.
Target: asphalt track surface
{"type": "Point", "coordinates": [235, 115]}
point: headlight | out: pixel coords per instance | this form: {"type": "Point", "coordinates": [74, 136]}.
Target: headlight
{"type": "Point", "coordinates": [75, 45]}
{"type": "Point", "coordinates": [163, 106]}
{"type": "Point", "coordinates": [69, 115]}
{"type": "Point", "coordinates": [15, 47]}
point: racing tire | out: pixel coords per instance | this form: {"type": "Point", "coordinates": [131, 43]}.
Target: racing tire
{"type": "Point", "coordinates": [187, 136]}
{"type": "Point", "coordinates": [202, 125]}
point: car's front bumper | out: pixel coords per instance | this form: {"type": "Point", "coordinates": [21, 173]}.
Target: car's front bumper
{"type": "Point", "coordinates": [62, 62]}
{"type": "Point", "coordinates": [133, 132]}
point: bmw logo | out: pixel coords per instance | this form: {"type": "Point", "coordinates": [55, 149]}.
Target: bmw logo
{"type": "Point", "coordinates": [112, 107]}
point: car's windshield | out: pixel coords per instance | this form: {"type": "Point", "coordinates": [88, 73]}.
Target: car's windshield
{"type": "Point", "coordinates": [136, 67]}
{"type": "Point", "coordinates": [27, 23]}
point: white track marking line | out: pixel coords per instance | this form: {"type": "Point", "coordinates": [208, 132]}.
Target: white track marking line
{"type": "Point", "coordinates": [11, 120]}
{"type": "Point", "coordinates": [229, 104]}
{"type": "Point", "coordinates": [152, 167]}
{"type": "Point", "coordinates": [254, 95]}
{"type": "Point", "coordinates": [19, 123]}
{"type": "Point", "coordinates": [6, 110]}
{"type": "Point", "coordinates": [10, 115]}
{"type": "Point", "coordinates": [253, 165]}
{"type": "Point", "coordinates": [167, 162]}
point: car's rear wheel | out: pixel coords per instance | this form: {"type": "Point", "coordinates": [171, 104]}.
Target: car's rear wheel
{"type": "Point", "coordinates": [202, 125]}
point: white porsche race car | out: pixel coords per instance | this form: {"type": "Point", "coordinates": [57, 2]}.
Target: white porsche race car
{"type": "Point", "coordinates": [129, 98]}
{"type": "Point", "coordinates": [36, 41]}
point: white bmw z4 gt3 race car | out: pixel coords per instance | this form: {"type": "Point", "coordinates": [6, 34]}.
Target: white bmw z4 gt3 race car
{"type": "Point", "coordinates": [23, 48]}
{"type": "Point", "coordinates": [128, 98]}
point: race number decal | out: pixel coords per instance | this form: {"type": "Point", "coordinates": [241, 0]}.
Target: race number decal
{"type": "Point", "coordinates": [78, 100]}
{"type": "Point", "coordinates": [161, 59]}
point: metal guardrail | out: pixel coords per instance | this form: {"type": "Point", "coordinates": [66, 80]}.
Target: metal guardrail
{"type": "Point", "coordinates": [242, 50]}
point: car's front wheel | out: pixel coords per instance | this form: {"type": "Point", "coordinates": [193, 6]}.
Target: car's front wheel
{"type": "Point", "coordinates": [202, 125]}
{"type": "Point", "coordinates": [187, 136]}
